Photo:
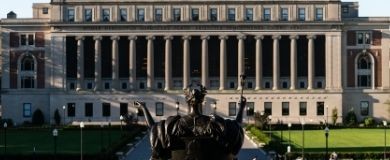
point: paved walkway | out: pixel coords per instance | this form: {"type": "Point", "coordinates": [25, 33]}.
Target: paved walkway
{"type": "Point", "coordinates": [248, 151]}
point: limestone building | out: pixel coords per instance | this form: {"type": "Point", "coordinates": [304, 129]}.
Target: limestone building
{"type": "Point", "coordinates": [91, 59]}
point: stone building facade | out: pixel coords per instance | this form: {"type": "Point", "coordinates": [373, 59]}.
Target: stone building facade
{"type": "Point", "coordinates": [92, 59]}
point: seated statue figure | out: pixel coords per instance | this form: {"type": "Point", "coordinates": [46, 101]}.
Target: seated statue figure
{"type": "Point", "coordinates": [195, 136]}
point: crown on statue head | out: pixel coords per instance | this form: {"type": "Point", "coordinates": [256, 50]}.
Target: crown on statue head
{"type": "Point", "coordinates": [195, 93]}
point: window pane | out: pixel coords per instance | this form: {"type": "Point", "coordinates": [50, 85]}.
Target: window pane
{"type": "Point", "coordinates": [367, 38]}
{"type": "Point", "coordinates": [302, 108]}
{"type": "Point", "coordinates": [285, 108]}
{"type": "Point", "coordinates": [106, 15]}
{"type": "Point", "coordinates": [284, 14]}
{"type": "Point", "coordinates": [268, 108]}
{"type": "Point", "coordinates": [250, 108]}
{"type": "Point", "coordinates": [88, 109]}
{"type": "Point", "coordinates": [88, 15]}
{"type": "Point", "coordinates": [159, 109]}
{"type": "Point", "coordinates": [71, 109]}
{"type": "Point", "coordinates": [30, 39]}
{"type": "Point", "coordinates": [319, 14]}
{"type": "Point", "coordinates": [302, 14]}
{"type": "Point", "coordinates": [360, 38]}
{"type": "Point", "coordinates": [213, 14]}
{"type": "Point", "coordinates": [364, 108]}
{"type": "Point", "coordinates": [267, 14]}
{"type": "Point", "coordinates": [26, 109]}
{"type": "Point", "coordinates": [320, 108]}
{"type": "Point", "coordinates": [249, 14]}
{"type": "Point", "coordinates": [71, 15]}
{"type": "Point", "coordinates": [176, 14]}
{"type": "Point", "coordinates": [123, 109]}
{"type": "Point", "coordinates": [158, 15]}
{"type": "Point", "coordinates": [232, 108]}
{"type": "Point", "coordinates": [123, 14]}
{"type": "Point", "coordinates": [106, 109]}
{"type": "Point", "coordinates": [141, 15]}
{"type": "Point", "coordinates": [231, 14]}
{"type": "Point", "coordinates": [23, 40]}
{"type": "Point", "coordinates": [195, 14]}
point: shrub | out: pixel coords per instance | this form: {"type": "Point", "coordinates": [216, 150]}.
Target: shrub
{"type": "Point", "coordinates": [259, 135]}
{"type": "Point", "coordinates": [38, 118]}
{"type": "Point", "coordinates": [350, 119]}
{"type": "Point", "coordinates": [334, 116]}
{"type": "Point", "coordinates": [369, 122]}
{"type": "Point", "coordinates": [57, 117]}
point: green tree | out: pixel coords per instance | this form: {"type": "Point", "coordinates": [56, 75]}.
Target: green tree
{"type": "Point", "coordinates": [38, 118]}
{"type": "Point", "coordinates": [57, 117]}
{"type": "Point", "coordinates": [334, 115]}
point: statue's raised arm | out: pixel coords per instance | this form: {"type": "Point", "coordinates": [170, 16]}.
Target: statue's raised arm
{"type": "Point", "coordinates": [242, 100]}
{"type": "Point", "coordinates": [148, 117]}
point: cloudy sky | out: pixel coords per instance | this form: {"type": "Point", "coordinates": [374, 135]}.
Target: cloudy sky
{"type": "Point", "coordinates": [23, 7]}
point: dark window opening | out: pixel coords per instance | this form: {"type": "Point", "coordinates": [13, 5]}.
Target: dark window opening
{"type": "Point", "coordinates": [71, 109]}
{"type": "Point", "coordinates": [88, 109]}
{"type": "Point", "coordinates": [106, 107]}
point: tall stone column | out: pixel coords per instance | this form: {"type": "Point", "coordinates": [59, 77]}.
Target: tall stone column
{"type": "Point", "coordinates": [132, 62]}
{"type": "Point", "coordinates": [98, 63]}
{"type": "Point", "coordinates": [293, 62]}
{"type": "Point", "coordinates": [310, 67]}
{"type": "Point", "coordinates": [205, 61]}
{"type": "Point", "coordinates": [80, 62]}
{"type": "Point", "coordinates": [186, 61]}
{"type": "Point", "coordinates": [240, 59]}
{"type": "Point", "coordinates": [259, 61]}
{"type": "Point", "coordinates": [115, 63]}
{"type": "Point", "coordinates": [150, 63]}
{"type": "Point", "coordinates": [222, 62]}
{"type": "Point", "coordinates": [275, 59]}
{"type": "Point", "coordinates": [168, 63]}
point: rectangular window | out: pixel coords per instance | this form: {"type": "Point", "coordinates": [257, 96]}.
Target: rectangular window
{"type": "Point", "coordinates": [30, 39]}
{"type": "Point", "coordinates": [71, 109]}
{"type": "Point", "coordinates": [319, 14]}
{"type": "Point", "coordinates": [268, 108]}
{"type": "Point", "coordinates": [106, 108]}
{"type": "Point", "coordinates": [301, 14]}
{"type": "Point", "coordinates": [364, 38]}
{"type": "Point", "coordinates": [284, 14]}
{"type": "Point", "coordinates": [124, 85]}
{"type": "Point", "coordinates": [367, 38]}
{"type": "Point", "coordinates": [107, 85]}
{"type": "Point", "coordinates": [195, 14]}
{"type": "Point", "coordinates": [232, 108]}
{"type": "Point", "coordinates": [27, 82]}
{"type": "Point", "coordinates": [23, 40]}
{"type": "Point", "coordinates": [123, 109]}
{"type": "Point", "coordinates": [71, 15]}
{"type": "Point", "coordinates": [213, 14]}
{"type": "Point", "coordinates": [267, 14]}
{"type": "Point", "coordinates": [250, 108]}
{"type": "Point", "coordinates": [176, 14]}
{"type": "Point", "coordinates": [158, 14]}
{"type": "Point", "coordinates": [123, 14]}
{"type": "Point", "coordinates": [88, 109]}
{"type": "Point", "coordinates": [320, 108]}
{"type": "Point", "coordinates": [249, 14]}
{"type": "Point", "coordinates": [231, 14]}
{"type": "Point", "coordinates": [88, 15]}
{"type": "Point", "coordinates": [106, 15]}
{"type": "Point", "coordinates": [26, 109]}
{"type": "Point", "coordinates": [141, 15]}
{"type": "Point", "coordinates": [159, 109]}
{"type": "Point", "coordinates": [45, 10]}
{"type": "Point", "coordinates": [364, 108]}
{"type": "Point", "coordinates": [302, 108]}
{"type": "Point", "coordinates": [360, 38]}
{"type": "Point", "coordinates": [285, 108]}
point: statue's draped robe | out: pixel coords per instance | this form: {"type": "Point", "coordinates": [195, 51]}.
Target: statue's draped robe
{"type": "Point", "coordinates": [196, 137]}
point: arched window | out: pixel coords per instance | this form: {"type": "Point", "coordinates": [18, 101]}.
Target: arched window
{"type": "Point", "coordinates": [27, 63]}
{"type": "Point", "coordinates": [364, 68]}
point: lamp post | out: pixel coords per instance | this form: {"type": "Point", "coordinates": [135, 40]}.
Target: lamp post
{"type": "Point", "coordinates": [326, 141]}
{"type": "Point", "coordinates": [177, 107]}
{"type": "Point", "coordinates": [214, 105]}
{"type": "Point", "coordinates": [269, 124]}
{"type": "Point", "coordinates": [81, 140]}
{"type": "Point", "coordinates": [101, 136]}
{"type": "Point", "coordinates": [289, 137]}
{"type": "Point", "coordinates": [121, 119]}
{"type": "Point", "coordinates": [281, 132]}
{"type": "Point", "coordinates": [55, 134]}
{"type": "Point", "coordinates": [385, 125]}
{"type": "Point", "coordinates": [303, 138]}
{"type": "Point", "coordinates": [247, 113]}
{"type": "Point", "coordinates": [136, 113]}
{"type": "Point", "coordinates": [5, 138]}
{"type": "Point", "coordinates": [63, 110]}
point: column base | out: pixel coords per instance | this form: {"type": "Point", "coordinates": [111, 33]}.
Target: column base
{"type": "Point", "coordinates": [275, 88]}
{"type": "Point", "coordinates": [257, 88]}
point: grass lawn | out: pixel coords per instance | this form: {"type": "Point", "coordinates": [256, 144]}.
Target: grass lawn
{"type": "Point", "coordinates": [23, 141]}
{"type": "Point", "coordinates": [340, 140]}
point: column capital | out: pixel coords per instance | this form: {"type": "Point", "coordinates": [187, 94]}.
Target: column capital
{"type": "Point", "coordinates": [80, 38]}
{"type": "Point", "coordinates": [223, 37]}
{"type": "Point", "coordinates": [311, 36]}
{"type": "Point", "coordinates": [241, 37]}
{"type": "Point", "coordinates": [168, 37]}
{"type": "Point", "coordinates": [114, 37]}
{"type": "Point", "coordinates": [276, 37]}
{"type": "Point", "coordinates": [294, 37]}
{"type": "Point", "coordinates": [132, 37]}
{"type": "Point", "coordinates": [97, 38]}
{"type": "Point", "coordinates": [259, 37]}
{"type": "Point", "coordinates": [186, 37]}
{"type": "Point", "coordinates": [151, 37]}
{"type": "Point", "coordinates": [207, 37]}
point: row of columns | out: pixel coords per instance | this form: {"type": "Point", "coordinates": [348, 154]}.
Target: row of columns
{"type": "Point", "coordinates": [186, 61]}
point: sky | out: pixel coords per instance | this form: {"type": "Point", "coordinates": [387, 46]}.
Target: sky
{"type": "Point", "coordinates": [23, 8]}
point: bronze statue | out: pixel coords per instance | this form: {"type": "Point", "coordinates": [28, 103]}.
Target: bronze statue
{"type": "Point", "coordinates": [195, 136]}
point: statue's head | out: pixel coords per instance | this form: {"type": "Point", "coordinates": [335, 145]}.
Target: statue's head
{"type": "Point", "coordinates": [195, 94]}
